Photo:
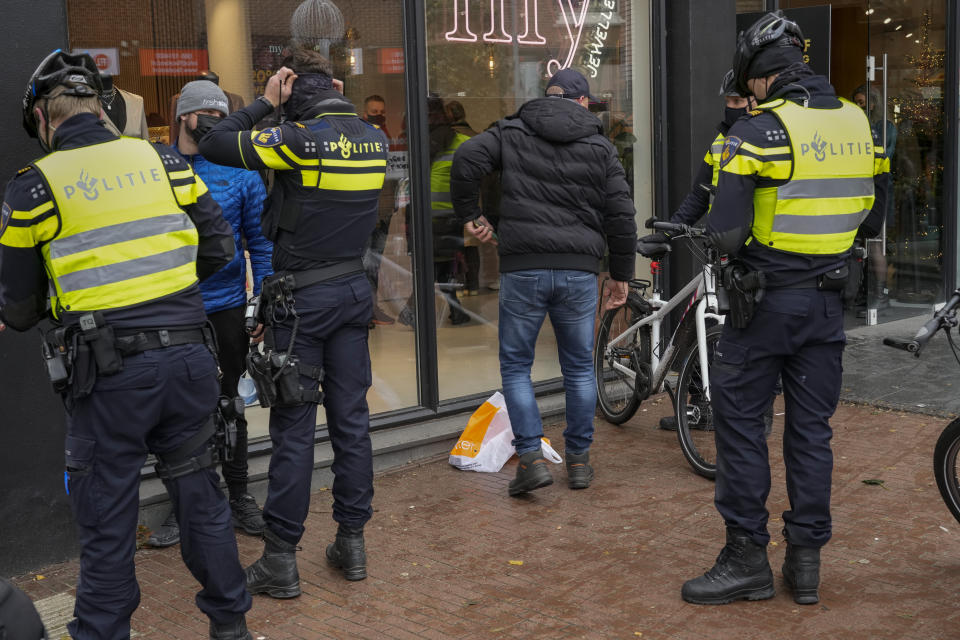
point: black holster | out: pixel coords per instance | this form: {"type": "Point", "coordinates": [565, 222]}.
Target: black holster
{"type": "Point", "coordinates": [103, 344]}
{"type": "Point", "coordinates": [744, 291]}
{"type": "Point", "coordinates": [229, 411]}
{"type": "Point", "coordinates": [276, 375]}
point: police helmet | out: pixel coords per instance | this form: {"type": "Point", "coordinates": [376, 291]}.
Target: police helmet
{"type": "Point", "coordinates": [77, 72]}
{"type": "Point", "coordinates": [729, 85]}
{"type": "Point", "coordinates": [771, 30]}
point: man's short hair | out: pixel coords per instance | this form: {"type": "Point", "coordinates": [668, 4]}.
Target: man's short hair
{"type": "Point", "coordinates": [60, 107]}
{"type": "Point", "coordinates": [308, 61]}
{"type": "Point", "coordinates": [373, 98]}
{"type": "Point", "coordinates": [456, 111]}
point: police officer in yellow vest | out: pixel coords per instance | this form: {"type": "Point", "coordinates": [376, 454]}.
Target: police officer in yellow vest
{"type": "Point", "coordinates": [697, 202]}
{"type": "Point", "coordinates": [330, 167]}
{"type": "Point", "coordinates": [122, 229]}
{"type": "Point", "coordinates": [447, 229]}
{"type": "Point", "coordinates": [797, 179]}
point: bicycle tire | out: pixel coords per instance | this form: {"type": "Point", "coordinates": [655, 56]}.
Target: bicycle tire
{"type": "Point", "coordinates": [694, 414]}
{"type": "Point", "coordinates": [616, 392]}
{"type": "Point", "coordinates": [945, 466]}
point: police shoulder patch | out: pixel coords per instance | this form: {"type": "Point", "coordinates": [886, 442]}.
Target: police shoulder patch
{"type": "Point", "coordinates": [271, 137]}
{"type": "Point", "coordinates": [731, 144]}
{"type": "Point", "coordinates": [300, 124]}
{"type": "Point", "coordinates": [24, 170]}
{"type": "Point", "coordinates": [5, 213]}
{"type": "Point", "coordinates": [755, 112]}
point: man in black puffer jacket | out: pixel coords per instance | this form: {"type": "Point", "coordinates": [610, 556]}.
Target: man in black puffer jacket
{"type": "Point", "coordinates": [565, 202]}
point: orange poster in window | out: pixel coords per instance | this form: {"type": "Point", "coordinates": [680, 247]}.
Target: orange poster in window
{"type": "Point", "coordinates": [172, 62]}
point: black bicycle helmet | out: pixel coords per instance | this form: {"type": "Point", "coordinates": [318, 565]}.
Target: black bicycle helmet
{"type": "Point", "coordinates": [772, 30]}
{"type": "Point", "coordinates": [729, 85]}
{"type": "Point", "coordinates": [75, 71]}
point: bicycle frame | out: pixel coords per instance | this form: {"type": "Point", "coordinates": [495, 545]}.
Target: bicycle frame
{"type": "Point", "coordinates": [701, 292]}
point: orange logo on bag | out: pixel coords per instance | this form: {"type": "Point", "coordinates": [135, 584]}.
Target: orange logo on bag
{"type": "Point", "coordinates": [472, 437]}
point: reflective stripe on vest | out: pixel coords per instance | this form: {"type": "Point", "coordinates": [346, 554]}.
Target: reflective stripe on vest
{"type": "Point", "coordinates": [831, 189]}
{"type": "Point", "coordinates": [440, 201]}
{"type": "Point", "coordinates": [123, 240]}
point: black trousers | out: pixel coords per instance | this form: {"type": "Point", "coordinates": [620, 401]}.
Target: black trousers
{"type": "Point", "coordinates": [796, 334]}
{"type": "Point", "coordinates": [333, 334]}
{"type": "Point", "coordinates": [160, 399]}
{"type": "Point", "coordinates": [233, 344]}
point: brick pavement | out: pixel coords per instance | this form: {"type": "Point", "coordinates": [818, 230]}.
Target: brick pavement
{"type": "Point", "coordinates": [607, 562]}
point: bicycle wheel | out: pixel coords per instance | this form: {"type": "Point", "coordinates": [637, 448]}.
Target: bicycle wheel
{"type": "Point", "coordinates": [616, 391]}
{"type": "Point", "coordinates": [945, 466]}
{"type": "Point", "coordinates": [694, 413]}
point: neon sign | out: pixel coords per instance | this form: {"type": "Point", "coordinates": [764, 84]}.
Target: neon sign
{"type": "Point", "coordinates": [573, 21]}
{"type": "Point", "coordinates": [595, 46]}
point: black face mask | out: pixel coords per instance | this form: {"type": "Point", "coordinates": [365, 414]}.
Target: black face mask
{"type": "Point", "coordinates": [378, 120]}
{"type": "Point", "coordinates": [204, 124]}
{"type": "Point", "coordinates": [732, 115]}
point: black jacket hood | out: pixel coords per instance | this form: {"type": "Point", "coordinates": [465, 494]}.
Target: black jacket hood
{"type": "Point", "coordinates": [558, 120]}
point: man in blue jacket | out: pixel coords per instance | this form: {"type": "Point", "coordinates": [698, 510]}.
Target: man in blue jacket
{"type": "Point", "coordinates": [240, 193]}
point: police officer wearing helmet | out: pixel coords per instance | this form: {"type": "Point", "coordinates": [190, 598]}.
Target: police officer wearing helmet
{"type": "Point", "coordinates": [330, 167]}
{"type": "Point", "coordinates": [123, 229]}
{"type": "Point", "coordinates": [697, 202]}
{"type": "Point", "coordinates": [797, 179]}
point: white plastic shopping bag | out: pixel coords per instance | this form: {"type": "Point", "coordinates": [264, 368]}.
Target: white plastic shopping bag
{"type": "Point", "coordinates": [485, 445]}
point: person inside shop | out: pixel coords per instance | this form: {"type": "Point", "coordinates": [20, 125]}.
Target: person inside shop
{"type": "Point", "coordinates": [447, 228]}
{"type": "Point", "coordinates": [471, 246]}
{"type": "Point", "coordinates": [553, 235]}
{"type": "Point", "coordinates": [375, 112]}
{"type": "Point", "coordinates": [234, 100]}
{"type": "Point", "coordinates": [787, 206]}
{"type": "Point", "coordinates": [240, 194]}
{"type": "Point", "coordinates": [139, 375]}
{"type": "Point", "coordinates": [318, 305]}
{"type": "Point", "coordinates": [879, 297]}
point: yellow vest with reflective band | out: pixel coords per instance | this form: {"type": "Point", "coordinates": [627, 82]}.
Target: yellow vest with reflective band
{"type": "Point", "coordinates": [713, 159]}
{"type": "Point", "coordinates": [831, 189]}
{"type": "Point", "coordinates": [440, 201]}
{"type": "Point", "coordinates": [123, 238]}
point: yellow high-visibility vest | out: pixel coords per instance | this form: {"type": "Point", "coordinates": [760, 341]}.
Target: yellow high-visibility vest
{"type": "Point", "coordinates": [124, 239]}
{"type": "Point", "coordinates": [440, 201]}
{"type": "Point", "coordinates": [831, 188]}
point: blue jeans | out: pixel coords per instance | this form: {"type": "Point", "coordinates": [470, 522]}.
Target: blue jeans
{"type": "Point", "coordinates": [570, 297]}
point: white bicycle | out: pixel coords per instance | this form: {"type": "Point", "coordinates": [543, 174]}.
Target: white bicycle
{"type": "Point", "coordinates": [631, 363]}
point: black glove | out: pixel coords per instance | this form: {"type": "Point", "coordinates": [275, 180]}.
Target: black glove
{"type": "Point", "coordinates": [659, 237]}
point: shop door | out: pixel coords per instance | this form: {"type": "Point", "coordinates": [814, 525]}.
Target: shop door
{"type": "Point", "coordinates": [888, 57]}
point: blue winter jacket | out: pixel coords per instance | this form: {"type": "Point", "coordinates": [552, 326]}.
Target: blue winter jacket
{"type": "Point", "coordinates": [240, 193]}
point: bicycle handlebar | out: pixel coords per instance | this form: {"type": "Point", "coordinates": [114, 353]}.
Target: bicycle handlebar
{"type": "Point", "coordinates": [928, 330]}
{"type": "Point", "coordinates": [677, 229]}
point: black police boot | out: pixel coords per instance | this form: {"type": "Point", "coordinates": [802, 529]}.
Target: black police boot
{"type": "Point", "coordinates": [168, 534]}
{"type": "Point", "coordinates": [236, 630]}
{"type": "Point", "coordinates": [246, 515]}
{"type": "Point", "coordinates": [579, 471]}
{"type": "Point", "coordinates": [275, 573]}
{"type": "Point", "coordinates": [532, 473]}
{"type": "Point", "coordinates": [742, 572]}
{"type": "Point", "coordinates": [801, 572]}
{"type": "Point", "coordinates": [348, 554]}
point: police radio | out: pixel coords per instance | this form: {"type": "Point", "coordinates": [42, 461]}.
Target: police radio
{"type": "Point", "coordinates": [251, 315]}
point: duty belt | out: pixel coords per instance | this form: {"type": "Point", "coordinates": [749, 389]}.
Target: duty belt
{"type": "Point", "coordinates": [136, 341]}
{"type": "Point", "coordinates": [306, 278]}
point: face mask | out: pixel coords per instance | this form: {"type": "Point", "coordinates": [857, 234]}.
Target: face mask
{"type": "Point", "coordinates": [732, 115]}
{"type": "Point", "coordinates": [204, 124]}
{"type": "Point", "coordinates": [378, 120]}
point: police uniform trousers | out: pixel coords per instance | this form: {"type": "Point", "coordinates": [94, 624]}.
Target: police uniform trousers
{"type": "Point", "coordinates": [157, 401]}
{"type": "Point", "coordinates": [333, 334]}
{"type": "Point", "coordinates": [797, 334]}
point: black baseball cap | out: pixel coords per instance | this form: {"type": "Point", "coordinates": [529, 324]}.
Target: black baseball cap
{"type": "Point", "coordinates": [573, 83]}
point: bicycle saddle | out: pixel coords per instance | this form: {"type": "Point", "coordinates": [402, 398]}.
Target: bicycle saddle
{"type": "Point", "coordinates": [653, 249]}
